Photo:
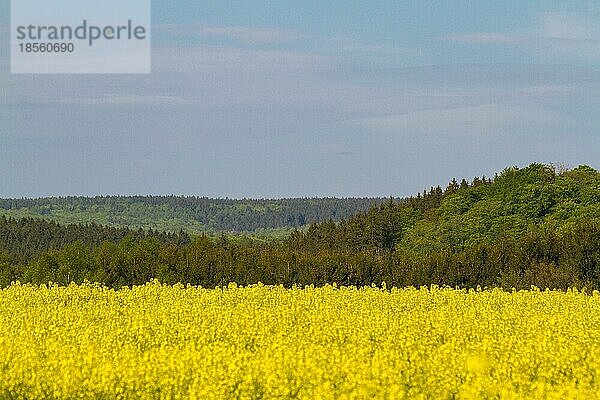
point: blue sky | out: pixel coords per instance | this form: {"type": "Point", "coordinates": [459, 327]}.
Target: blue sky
{"type": "Point", "coordinates": [313, 98]}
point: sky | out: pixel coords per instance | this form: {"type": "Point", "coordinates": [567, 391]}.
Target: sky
{"type": "Point", "coordinates": [263, 99]}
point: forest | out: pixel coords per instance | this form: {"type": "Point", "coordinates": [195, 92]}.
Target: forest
{"type": "Point", "coordinates": [271, 218]}
{"type": "Point", "coordinates": [523, 227]}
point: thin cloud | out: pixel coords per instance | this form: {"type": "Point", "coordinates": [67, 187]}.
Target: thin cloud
{"type": "Point", "coordinates": [351, 46]}
{"type": "Point", "coordinates": [243, 36]}
{"type": "Point", "coordinates": [484, 38]}
{"type": "Point", "coordinates": [248, 35]}
{"type": "Point", "coordinates": [123, 99]}
{"type": "Point", "coordinates": [219, 59]}
{"type": "Point", "coordinates": [558, 33]}
{"type": "Point", "coordinates": [567, 26]}
{"type": "Point", "coordinates": [253, 35]}
{"type": "Point", "coordinates": [487, 120]}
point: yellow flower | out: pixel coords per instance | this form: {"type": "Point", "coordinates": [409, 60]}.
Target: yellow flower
{"type": "Point", "coordinates": [178, 342]}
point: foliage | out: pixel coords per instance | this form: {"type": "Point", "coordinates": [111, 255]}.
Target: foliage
{"type": "Point", "coordinates": [192, 214]}
{"type": "Point", "coordinates": [26, 238]}
{"type": "Point", "coordinates": [516, 201]}
{"type": "Point", "coordinates": [525, 227]}
{"type": "Point", "coordinates": [543, 257]}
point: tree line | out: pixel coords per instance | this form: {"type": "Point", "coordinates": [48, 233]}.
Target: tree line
{"type": "Point", "coordinates": [523, 227]}
{"type": "Point", "coordinates": [193, 214]}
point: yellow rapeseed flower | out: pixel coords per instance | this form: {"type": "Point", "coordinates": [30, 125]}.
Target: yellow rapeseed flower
{"type": "Point", "coordinates": [179, 342]}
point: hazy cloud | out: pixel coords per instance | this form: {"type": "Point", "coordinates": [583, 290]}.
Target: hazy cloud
{"type": "Point", "coordinates": [250, 35]}
{"type": "Point", "coordinates": [120, 99]}
{"type": "Point", "coordinates": [483, 120]}
{"type": "Point", "coordinates": [550, 34]}
{"type": "Point", "coordinates": [567, 26]}
{"type": "Point", "coordinates": [485, 38]}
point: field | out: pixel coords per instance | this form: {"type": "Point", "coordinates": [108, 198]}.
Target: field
{"type": "Point", "coordinates": [158, 341]}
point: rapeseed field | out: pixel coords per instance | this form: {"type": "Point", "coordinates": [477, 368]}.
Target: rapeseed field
{"type": "Point", "coordinates": [259, 342]}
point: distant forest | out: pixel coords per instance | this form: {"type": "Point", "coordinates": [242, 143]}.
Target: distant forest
{"type": "Point", "coordinates": [525, 226]}
{"type": "Point", "coordinates": [191, 214]}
